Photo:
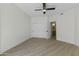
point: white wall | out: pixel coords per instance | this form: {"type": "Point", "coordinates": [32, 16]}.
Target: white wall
{"type": "Point", "coordinates": [66, 26]}
{"type": "Point", "coordinates": [15, 26]}
{"type": "Point", "coordinates": [0, 29]}
{"type": "Point", "coordinates": [77, 26]}
{"type": "Point", "coordinates": [39, 27]}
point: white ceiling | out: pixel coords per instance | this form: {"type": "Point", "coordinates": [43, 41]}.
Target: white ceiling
{"type": "Point", "coordinates": [30, 7]}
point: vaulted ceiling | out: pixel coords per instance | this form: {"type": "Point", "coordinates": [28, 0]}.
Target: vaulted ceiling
{"type": "Point", "coordinates": [29, 8]}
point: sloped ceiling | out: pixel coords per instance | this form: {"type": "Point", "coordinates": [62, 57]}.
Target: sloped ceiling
{"type": "Point", "coordinates": [30, 7]}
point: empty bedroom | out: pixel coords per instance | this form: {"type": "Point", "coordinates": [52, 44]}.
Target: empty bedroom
{"type": "Point", "coordinates": [39, 29]}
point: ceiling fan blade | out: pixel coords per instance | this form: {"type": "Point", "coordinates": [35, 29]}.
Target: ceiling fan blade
{"type": "Point", "coordinates": [38, 9]}
{"type": "Point", "coordinates": [44, 6]}
{"type": "Point", "coordinates": [50, 8]}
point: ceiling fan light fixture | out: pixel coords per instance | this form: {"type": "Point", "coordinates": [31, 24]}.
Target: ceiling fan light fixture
{"type": "Point", "coordinates": [44, 10]}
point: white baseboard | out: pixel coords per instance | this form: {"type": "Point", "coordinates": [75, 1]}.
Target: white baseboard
{"type": "Point", "coordinates": [39, 38]}
{"type": "Point", "coordinates": [4, 51]}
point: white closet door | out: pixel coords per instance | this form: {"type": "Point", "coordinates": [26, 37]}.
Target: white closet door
{"type": "Point", "coordinates": [39, 27]}
{"type": "Point", "coordinates": [66, 26]}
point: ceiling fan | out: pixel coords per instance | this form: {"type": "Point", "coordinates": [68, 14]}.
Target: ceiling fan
{"type": "Point", "coordinates": [44, 8]}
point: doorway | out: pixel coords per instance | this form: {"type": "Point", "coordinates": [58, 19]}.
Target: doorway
{"type": "Point", "coordinates": [53, 29]}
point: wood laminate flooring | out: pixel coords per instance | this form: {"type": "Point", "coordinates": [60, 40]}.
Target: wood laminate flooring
{"type": "Point", "coordinates": [43, 47]}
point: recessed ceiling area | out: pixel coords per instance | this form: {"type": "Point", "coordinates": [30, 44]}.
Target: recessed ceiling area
{"type": "Point", "coordinates": [29, 8]}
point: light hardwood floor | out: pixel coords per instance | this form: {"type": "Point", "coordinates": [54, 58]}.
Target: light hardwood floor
{"type": "Point", "coordinates": [43, 47]}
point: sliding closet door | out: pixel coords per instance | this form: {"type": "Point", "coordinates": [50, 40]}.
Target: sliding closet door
{"type": "Point", "coordinates": [65, 26]}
